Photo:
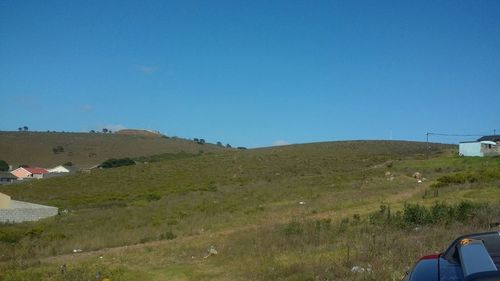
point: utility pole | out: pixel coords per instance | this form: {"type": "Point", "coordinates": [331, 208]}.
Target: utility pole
{"type": "Point", "coordinates": [494, 131]}
{"type": "Point", "coordinates": [427, 143]}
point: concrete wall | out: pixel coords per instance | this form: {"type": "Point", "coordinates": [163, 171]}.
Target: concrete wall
{"type": "Point", "coordinates": [23, 211]}
{"type": "Point", "coordinates": [4, 201]}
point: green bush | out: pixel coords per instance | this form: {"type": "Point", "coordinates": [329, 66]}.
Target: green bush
{"type": "Point", "coordinates": [9, 236]}
{"type": "Point", "coordinates": [293, 228]}
{"type": "Point", "coordinates": [467, 177]}
{"type": "Point", "coordinates": [113, 163]}
{"type": "Point", "coordinates": [439, 213]}
{"type": "Point", "coordinates": [168, 235]}
{"type": "Point", "coordinates": [4, 166]}
{"type": "Point", "coordinates": [153, 196]}
{"type": "Point", "coordinates": [414, 214]}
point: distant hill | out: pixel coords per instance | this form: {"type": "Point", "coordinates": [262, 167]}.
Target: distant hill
{"type": "Point", "coordinates": [137, 132]}
{"type": "Point", "coordinates": [87, 149]}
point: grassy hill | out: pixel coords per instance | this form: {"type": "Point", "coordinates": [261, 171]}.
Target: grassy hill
{"type": "Point", "coordinates": [300, 212]}
{"type": "Point", "coordinates": [87, 149]}
{"type": "Point", "coordinates": [135, 132]}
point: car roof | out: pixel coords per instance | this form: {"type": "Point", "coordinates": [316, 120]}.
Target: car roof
{"type": "Point", "coordinates": [491, 241]}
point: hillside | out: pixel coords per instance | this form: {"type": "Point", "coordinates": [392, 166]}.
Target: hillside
{"type": "Point", "coordinates": [299, 212]}
{"type": "Point", "coordinates": [87, 149]}
{"type": "Point", "coordinates": [134, 132]}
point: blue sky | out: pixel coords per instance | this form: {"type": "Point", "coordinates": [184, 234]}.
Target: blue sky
{"type": "Point", "coordinates": [252, 73]}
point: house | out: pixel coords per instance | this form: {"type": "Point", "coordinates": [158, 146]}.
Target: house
{"type": "Point", "coordinates": [484, 146]}
{"type": "Point", "coordinates": [493, 138]}
{"type": "Point", "coordinates": [4, 201]}
{"type": "Point", "coordinates": [6, 177]}
{"type": "Point", "coordinates": [28, 172]}
{"type": "Point", "coordinates": [59, 169]}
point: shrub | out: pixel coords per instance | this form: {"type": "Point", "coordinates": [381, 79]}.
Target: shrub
{"type": "Point", "coordinates": [113, 163]}
{"type": "Point", "coordinates": [167, 235]}
{"type": "Point", "coordinates": [467, 177]}
{"type": "Point", "coordinates": [58, 149]}
{"type": "Point", "coordinates": [414, 214]}
{"type": "Point", "coordinates": [293, 228]}
{"type": "Point", "coordinates": [35, 232]}
{"type": "Point", "coordinates": [464, 211]}
{"type": "Point", "coordinates": [4, 166]}
{"type": "Point", "coordinates": [10, 236]}
{"type": "Point", "coordinates": [153, 196]}
{"type": "Point", "coordinates": [440, 212]}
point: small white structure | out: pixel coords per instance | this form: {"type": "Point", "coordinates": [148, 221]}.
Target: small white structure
{"type": "Point", "coordinates": [59, 169]}
{"type": "Point", "coordinates": [478, 148]}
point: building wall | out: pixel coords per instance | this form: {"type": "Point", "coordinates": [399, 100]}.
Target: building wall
{"type": "Point", "coordinates": [4, 201]}
{"type": "Point", "coordinates": [24, 211]}
{"type": "Point", "coordinates": [489, 150]}
{"type": "Point", "coordinates": [37, 176]}
{"type": "Point", "coordinates": [470, 149]}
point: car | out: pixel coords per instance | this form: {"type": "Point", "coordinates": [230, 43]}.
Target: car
{"type": "Point", "coordinates": [472, 257]}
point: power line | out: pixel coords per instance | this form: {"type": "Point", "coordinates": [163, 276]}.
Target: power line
{"type": "Point", "coordinates": [455, 135]}
{"type": "Point", "coordinates": [450, 135]}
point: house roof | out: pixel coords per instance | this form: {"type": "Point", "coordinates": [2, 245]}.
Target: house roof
{"type": "Point", "coordinates": [60, 166]}
{"type": "Point", "coordinates": [36, 170]}
{"type": "Point", "coordinates": [489, 138]}
{"type": "Point", "coordinates": [7, 175]}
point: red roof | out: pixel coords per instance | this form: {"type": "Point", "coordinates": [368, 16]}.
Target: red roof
{"type": "Point", "coordinates": [37, 170]}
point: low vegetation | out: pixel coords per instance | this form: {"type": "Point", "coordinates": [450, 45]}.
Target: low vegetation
{"type": "Point", "coordinates": [85, 150]}
{"type": "Point", "coordinates": [4, 166]}
{"type": "Point", "coordinates": [300, 212]}
{"type": "Point", "coordinates": [114, 163]}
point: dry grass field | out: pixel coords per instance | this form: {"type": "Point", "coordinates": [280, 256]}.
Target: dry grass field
{"type": "Point", "coordinates": [87, 149]}
{"type": "Point", "coordinates": [299, 212]}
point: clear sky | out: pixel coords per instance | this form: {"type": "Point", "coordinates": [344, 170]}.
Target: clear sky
{"type": "Point", "coordinates": [252, 73]}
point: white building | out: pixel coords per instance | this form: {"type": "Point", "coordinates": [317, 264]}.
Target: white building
{"type": "Point", "coordinates": [59, 169]}
{"type": "Point", "coordinates": [484, 146]}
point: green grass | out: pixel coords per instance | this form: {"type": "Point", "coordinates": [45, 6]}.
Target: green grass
{"type": "Point", "coordinates": [245, 203]}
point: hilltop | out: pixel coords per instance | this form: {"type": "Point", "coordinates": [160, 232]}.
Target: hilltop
{"type": "Point", "coordinates": [139, 132]}
{"type": "Point", "coordinates": [87, 149]}
{"type": "Point", "coordinates": [279, 213]}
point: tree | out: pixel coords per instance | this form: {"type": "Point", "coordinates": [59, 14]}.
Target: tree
{"type": "Point", "coordinates": [4, 166]}
{"type": "Point", "coordinates": [202, 141]}
{"type": "Point", "coordinates": [196, 140]}
{"type": "Point", "coordinates": [20, 129]}
{"type": "Point", "coordinates": [113, 163]}
{"type": "Point", "coordinates": [219, 144]}
{"type": "Point", "coordinates": [92, 131]}
{"type": "Point", "coordinates": [25, 128]}
{"type": "Point", "coordinates": [228, 145]}
{"type": "Point", "coordinates": [58, 149]}
{"type": "Point", "coordinates": [104, 130]}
